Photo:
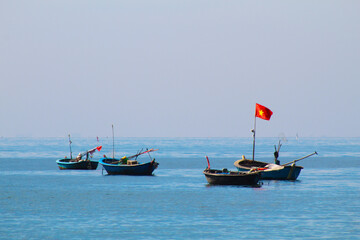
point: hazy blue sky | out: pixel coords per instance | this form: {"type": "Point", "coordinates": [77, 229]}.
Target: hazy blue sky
{"type": "Point", "coordinates": [179, 68]}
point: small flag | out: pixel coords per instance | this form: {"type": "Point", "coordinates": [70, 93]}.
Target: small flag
{"type": "Point", "coordinates": [263, 112]}
{"type": "Point", "coordinates": [99, 148]}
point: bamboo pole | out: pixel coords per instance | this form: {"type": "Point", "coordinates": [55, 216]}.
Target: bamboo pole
{"type": "Point", "coordinates": [300, 159]}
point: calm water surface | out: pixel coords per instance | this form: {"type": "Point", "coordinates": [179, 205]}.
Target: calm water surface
{"type": "Point", "coordinates": [39, 201]}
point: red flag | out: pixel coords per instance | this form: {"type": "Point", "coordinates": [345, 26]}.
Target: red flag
{"type": "Point", "coordinates": [263, 112]}
{"type": "Point", "coordinates": [99, 148]}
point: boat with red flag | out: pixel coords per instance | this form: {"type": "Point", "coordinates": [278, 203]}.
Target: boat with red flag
{"type": "Point", "coordinates": [272, 171]}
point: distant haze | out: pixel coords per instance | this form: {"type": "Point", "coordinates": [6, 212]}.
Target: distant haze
{"type": "Point", "coordinates": [179, 68]}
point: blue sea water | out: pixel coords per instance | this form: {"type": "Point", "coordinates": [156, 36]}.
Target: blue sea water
{"type": "Point", "coordinates": [39, 201]}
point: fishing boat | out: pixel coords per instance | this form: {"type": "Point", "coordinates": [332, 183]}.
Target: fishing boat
{"type": "Point", "coordinates": [79, 162]}
{"type": "Point", "coordinates": [67, 164]}
{"type": "Point", "coordinates": [288, 171]}
{"type": "Point", "coordinates": [271, 171]}
{"type": "Point", "coordinates": [128, 166]}
{"type": "Point", "coordinates": [225, 177]}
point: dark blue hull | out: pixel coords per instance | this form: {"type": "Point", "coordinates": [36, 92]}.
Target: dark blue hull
{"type": "Point", "coordinates": [219, 177]}
{"type": "Point", "coordinates": [125, 169]}
{"type": "Point", "coordinates": [288, 173]}
{"type": "Point", "coordinates": [66, 164]}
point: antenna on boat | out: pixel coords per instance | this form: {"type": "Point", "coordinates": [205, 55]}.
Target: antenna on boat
{"type": "Point", "coordinates": [138, 153]}
{"type": "Point", "coordinates": [112, 125]}
{"type": "Point", "coordinates": [70, 147]}
{"type": "Point", "coordinates": [149, 154]}
{"type": "Point", "coordinates": [276, 153]}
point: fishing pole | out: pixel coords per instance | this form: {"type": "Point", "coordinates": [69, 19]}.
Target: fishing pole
{"type": "Point", "coordinates": [300, 159]}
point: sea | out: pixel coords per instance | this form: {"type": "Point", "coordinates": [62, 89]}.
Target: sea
{"type": "Point", "coordinates": [39, 201]}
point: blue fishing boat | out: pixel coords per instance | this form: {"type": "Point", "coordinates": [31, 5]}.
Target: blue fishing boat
{"type": "Point", "coordinates": [128, 166]}
{"type": "Point", "coordinates": [288, 171]}
{"type": "Point", "coordinates": [113, 167]}
{"type": "Point", "coordinates": [271, 171]}
{"type": "Point", "coordinates": [67, 164]}
{"type": "Point", "coordinates": [79, 163]}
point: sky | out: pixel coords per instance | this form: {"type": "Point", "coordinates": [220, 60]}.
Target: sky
{"type": "Point", "coordinates": [159, 68]}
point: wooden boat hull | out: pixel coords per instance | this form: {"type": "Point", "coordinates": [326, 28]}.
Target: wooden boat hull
{"type": "Point", "coordinates": [124, 169]}
{"type": "Point", "coordinates": [219, 177]}
{"type": "Point", "coordinates": [66, 164]}
{"type": "Point", "coordinates": [286, 173]}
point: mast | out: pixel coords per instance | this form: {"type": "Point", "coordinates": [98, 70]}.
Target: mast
{"type": "Point", "coordinates": [263, 113]}
{"type": "Point", "coordinates": [112, 125]}
{"type": "Point", "coordinates": [70, 147]}
{"type": "Point", "coordinates": [254, 131]}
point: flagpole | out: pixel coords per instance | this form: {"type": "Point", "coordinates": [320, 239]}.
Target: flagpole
{"type": "Point", "coordinates": [254, 131]}
{"type": "Point", "coordinates": [263, 113]}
